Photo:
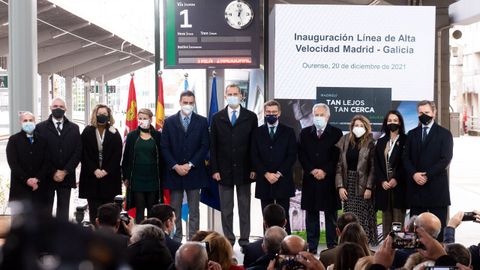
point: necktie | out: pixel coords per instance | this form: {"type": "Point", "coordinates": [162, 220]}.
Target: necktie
{"type": "Point", "coordinates": [186, 121]}
{"type": "Point", "coordinates": [319, 133]}
{"type": "Point", "coordinates": [234, 117]}
{"type": "Point", "coordinates": [59, 129]}
{"type": "Point", "coordinates": [30, 139]}
{"type": "Point", "coordinates": [272, 132]}
{"type": "Point", "coordinates": [424, 133]}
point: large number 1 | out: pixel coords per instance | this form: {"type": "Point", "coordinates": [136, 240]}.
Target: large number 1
{"type": "Point", "coordinates": [185, 23]}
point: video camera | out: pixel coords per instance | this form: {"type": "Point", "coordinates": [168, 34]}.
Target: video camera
{"type": "Point", "coordinates": [288, 262]}
{"type": "Point", "coordinates": [118, 200]}
{"type": "Point", "coordinates": [80, 215]}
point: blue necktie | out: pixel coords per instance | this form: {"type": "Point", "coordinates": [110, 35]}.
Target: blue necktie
{"type": "Point", "coordinates": [30, 139]}
{"type": "Point", "coordinates": [424, 134]}
{"type": "Point", "coordinates": [234, 117]}
{"type": "Point", "coordinates": [185, 123]}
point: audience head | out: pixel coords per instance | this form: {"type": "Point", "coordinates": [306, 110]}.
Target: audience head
{"type": "Point", "coordinates": [292, 245]}
{"type": "Point", "coordinates": [343, 220]}
{"type": "Point", "coordinates": [364, 263]}
{"type": "Point", "coordinates": [414, 260]}
{"type": "Point", "coordinates": [191, 256]}
{"type": "Point", "coordinates": [200, 235]}
{"type": "Point", "coordinates": [146, 231]}
{"type": "Point", "coordinates": [108, 215]}
{"type": "Point", "coordinates": [430, 223]}
{"type": "Point", "coordinates": [273, 239]}
{"type": "Point", "coordinates": [460, 253]}
{"type": "Point", "coordinates": [348, 255]}
{"type": "Point", "coordinates": [220, 250]}
{"type": "Point", "coordinates": [153, 221]}
{"type": "Point", "coordinates": [166, 214]}
{"type": "Point", "coordinates": [354, 233]}
{"type": "Point", "coordinates": [274, 215]}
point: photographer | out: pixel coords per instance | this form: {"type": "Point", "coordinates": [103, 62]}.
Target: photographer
{"type": "Point", "coordinates": [293, 255]}
{"type": "Point", "coordinates": [270, 245]}
{"type": "Point", "coordinates": [108, 223]}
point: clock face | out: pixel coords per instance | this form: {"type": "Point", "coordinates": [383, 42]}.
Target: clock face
{"type": "Point", "coordinates": [238, 14]}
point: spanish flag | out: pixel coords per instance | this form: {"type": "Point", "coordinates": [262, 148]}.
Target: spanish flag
{"type": "Point", "coordinates": [160, 114]}
{"type": "Point", "coordinates": [131, 122]}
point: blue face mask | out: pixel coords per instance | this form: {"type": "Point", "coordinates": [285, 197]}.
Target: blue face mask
{"type": "Point", "coordinates": [174, 231]}
{"type": "Point", "coordinates": [28, 127]}
{"type": "Point", "coordinates": [271, 119]}
{"type": "Point", "coordinates": [233, 101]}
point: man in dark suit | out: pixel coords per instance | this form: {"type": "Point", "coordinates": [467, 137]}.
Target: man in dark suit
{"type": "Point", "coordinates": [166, 214]}
{"type": "Point", "coordinates": [318, 156]}
{"type": "Point", "coordinates": [273, 215]}
{"type": "Point", "coordinates": [184, 147]}
{"type": "Point", "coordinates": [65, 151]}
{"type": "Point", "coordinates": [29, 164]}
{"type": "Point", "coordinates": [230, 135]}
{"type": "Point", "coordinates": [274, 151]}
{"type": "Point", "coordinates": [427, 155]}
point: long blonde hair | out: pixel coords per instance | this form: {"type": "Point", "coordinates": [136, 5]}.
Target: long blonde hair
{"type": "Point", "coordinates": [220, 250]}
{"type": "Point", "coordinates": [93, 116]}
{"type": "Point", "coordinates": [368, 128]}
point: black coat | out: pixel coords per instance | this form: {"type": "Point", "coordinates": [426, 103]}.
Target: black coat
{"type": "Point", "coordinates": [230, 146]}
{"type": "Point", "coordinates": [110, 185]}
{"type": "Point", "coordinates": [319, 153]}
{"type": "Point", "coordinates": [395, 161]}
{"type": "Point", "coordinates": [26, 161]}
{"type": "Point", "coordinates": [65, 150]}
{"type": "Point", "coordinates": [277, 155]}
{"type": "Point", "coordinates": [253, 252]}
{"type": "Point", "coordinates": [180, 147]}
{"type": "Point", "coordinates": [433, 157]}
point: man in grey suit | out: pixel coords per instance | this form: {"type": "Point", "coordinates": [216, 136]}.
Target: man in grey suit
{"type": "Point", "coordinates": [230, 137]}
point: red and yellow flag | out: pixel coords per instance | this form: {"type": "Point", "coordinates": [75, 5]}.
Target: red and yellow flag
{"type": "Point", "coordinates": [131, 122]}
{"type": "Point", "coordinates": [160, 113]}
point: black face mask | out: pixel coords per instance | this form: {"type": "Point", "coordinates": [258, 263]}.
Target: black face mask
{"type": "Point", "coordinates": [271, 119]}
{"type": "Point", "coordinates": [58, 113]}
{"type": "Point", "coordinates": [425, 119]}
{"type": "Point", "coordinates": [393, 127]}
{"type": "Point", "coordinates": [102, 119]}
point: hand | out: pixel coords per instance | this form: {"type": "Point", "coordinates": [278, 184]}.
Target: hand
{"type": "Point", "coordinates": [455, 221]}
{"type": "Point", "coordinates": [216, 176]}
{"type": "Point", "coordinates": [368, 194]}
{"type": "Point", "coordinates": [385, 254]}
{"type": "Point", "coordinates": [393, 182]}
{"type": "Point", "coordinates": [104, 173]}
{"type": "Point", "coordinates": [253, 175]}
{"type": "Point", "coordinates": [463, 267]}
{"type": "Point", "coordinates": [33, 183]}
{"type": "Point", "coordinates": [420, 178]}
{"type": "Point", "coordinates": [319, 174]}
{"type": "Point", "coordinates": [180, 169]}
{"type": "Point", "coordinates": [98, 173]}
{"type": "Point", "coordinates": [59, 175]}
{"type": "Point", "coordinates": [386, 185]}
{"type": "Point", "coordinates": [477, 215]}
{"type": "Point", "coordinates": [342, 192]}
{"type": "Point", "coordinates": [128, 228]}
{"type": "Point", "coordinates": [271, 177]}
{"type": "Point", "coordinates": [433, 249]}
{"type": "Point", "coordinates": [309, 261]}
{"type": "Point", "coordinates": [125, 182]}
{"type": "Point", "coordinates": [214, 265]}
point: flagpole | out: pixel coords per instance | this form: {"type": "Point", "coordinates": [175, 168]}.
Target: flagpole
{"type": "Point", "coordinates": [211, 211]}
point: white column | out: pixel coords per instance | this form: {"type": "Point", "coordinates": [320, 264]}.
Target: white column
{"type": "Point", "coordinates": [22, 67]}
{"type": "Point", "coordinates": [68, 97]}
{"type": "Point", "coordinates": [101, 91]}
{"type": "Point", "coordinates": [87, 102]}
{"type": "Point", "coordinates": [45, 98]}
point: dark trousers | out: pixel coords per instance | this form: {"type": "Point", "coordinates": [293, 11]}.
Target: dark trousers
{"type": "Point", "coordinates": [142, 200]}
{"type": "Point", "coordinates": [63, 202]}
{"type": "Point", "coordinates": [93, 204]}
{"type": "Point", "coordinates": [440, 212]}
{"type": "Point", "coordinates": [313, 228]}
{"type": "Point", "coordinates": [285, 203]}
{"type": "Point", "coordinates": [243, 205]}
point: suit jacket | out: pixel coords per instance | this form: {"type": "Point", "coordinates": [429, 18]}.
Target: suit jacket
{"type": "Point", "coordinates": [65, 150]}
{"type": "Point", "coordinates": [252, 252]}
{"type": "Point", "coordinates": [328, 256]}
{"type": "Point", "coordinates": [319, 153]}
{"type": "Point", "coordinates": [433, 157]}
{"type": "Point", "coordinates": [396, 164]}
{"type": "Point", "coordinates": [365, 165]}
{"type": "Point", "coordinates": [274, 155]}
{"type": "Point", "coordinates": [180, 147]}
{"type": "Point", "coordinates": [110, 185]}
{"type": "Point", "coordinates": [230, 146]}
{"type": "Point", "coordinates": [172, 245]}
{"type": "Point", "coordinates": [27, 160]}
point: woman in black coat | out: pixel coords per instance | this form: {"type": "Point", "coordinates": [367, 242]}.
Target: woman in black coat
{"type": "Point", "coordinates": [100, 176]}
{"type": "Point", "coordinates": [389, 172]}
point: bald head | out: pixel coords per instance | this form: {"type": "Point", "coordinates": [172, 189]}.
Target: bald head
{"type": "Point", "coordinates": [273, 239]}
{"type": "Point", "coordinates": [191, 256]}
{"type": "Point", "coordinates": [292, 245]}
{"type": "Point", "coordinates": [430, 223]}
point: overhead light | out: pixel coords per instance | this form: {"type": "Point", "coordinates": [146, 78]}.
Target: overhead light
{"type": "Point", "coordinates": [59, 35]}
{"type": "Point", "coordinates": [5, 24]}
{"type": "Point", "coordinates": [110, 52]}
{"type": "Point", "coordinates": [125, 58]}
{"type": "Point", "coordinates": [89, 44]}
{"type": "Point", "coordinates": [136, 62]}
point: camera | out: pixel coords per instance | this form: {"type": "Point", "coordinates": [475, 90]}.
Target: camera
{"type": "Point", "coordinates": [80, 213]}
{"type": "Point", "coordinates": [468, 216]}
{"type": "Point", "coordinates": [118, 200]}
{"type": "Point", "coordinates": [289, 262]}
{"type": "Point", "coordinates": [396, 226]}
{"type": "Point", "coordinates": [405, 240]}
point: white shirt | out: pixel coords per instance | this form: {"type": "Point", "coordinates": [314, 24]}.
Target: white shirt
{"type": "Point", "coordinates": [54, 121]}
{"type": "Point", "coordinates": [230, 112]}
{"type": "Point", "coordinates": [274, 127]}
{"type": "Point", "coordinates": [429, 126]}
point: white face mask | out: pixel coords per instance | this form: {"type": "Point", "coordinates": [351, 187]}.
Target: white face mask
{"type": "Point", "coordinates": [187, 109]}
{"type": "Point", "coordinates": [233, 101]}
{"type": "Point", "coordinates": [144, 123]}
{"type": "Point", "coordinates": [358, 131]}
{"type": "Point", "coordinates": [320, 122]}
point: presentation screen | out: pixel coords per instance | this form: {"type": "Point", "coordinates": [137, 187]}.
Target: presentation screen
{"type": "Point", "coordinates": [357, 59]}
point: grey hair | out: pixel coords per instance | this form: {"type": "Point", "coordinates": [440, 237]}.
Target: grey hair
{"type": "Point", "coordinates": [24, 114]}
{"type": "Point", "coordinates": [321, 105]}
{"type": "Point", "coordinates": [59, 99]}
{"type": "Point", "coordinates": [144, 231]}
{"type": "Point", "coordinates": [191, 256]}
{"type": "Point", "coordinates": [273, 239]}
